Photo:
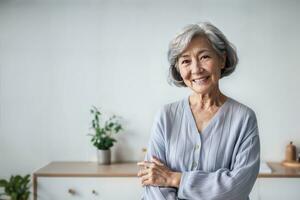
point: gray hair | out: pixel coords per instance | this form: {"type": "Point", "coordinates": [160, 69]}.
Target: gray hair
{"type": "Point", "coordinates": [217, 39]}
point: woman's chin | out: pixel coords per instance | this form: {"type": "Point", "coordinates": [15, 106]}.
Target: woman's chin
{"type": "Point", "coordinates": [201, 89]}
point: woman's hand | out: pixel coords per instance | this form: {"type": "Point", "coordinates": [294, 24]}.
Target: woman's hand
{"type": "Point", "coordinates": [156, 173]}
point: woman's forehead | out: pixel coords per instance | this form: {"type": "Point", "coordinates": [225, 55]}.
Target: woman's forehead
{"type": "Point", "coordinates": [198, 44]}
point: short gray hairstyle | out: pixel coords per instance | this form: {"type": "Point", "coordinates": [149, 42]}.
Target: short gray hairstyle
{"type": "Point", "coordinates": [217, 39]}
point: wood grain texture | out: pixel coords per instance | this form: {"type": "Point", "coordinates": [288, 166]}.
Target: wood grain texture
{"type": "Point", "coordinates": [88, 169]}
{"type": "Point", "coordinates": [130, 169]}
{"type": "Point", "coordinates": [280, 171]}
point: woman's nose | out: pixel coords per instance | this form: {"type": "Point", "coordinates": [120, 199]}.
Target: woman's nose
{"type": "Point", "coordinates": [196, 67]}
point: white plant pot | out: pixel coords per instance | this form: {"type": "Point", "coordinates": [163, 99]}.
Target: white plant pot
{"type": "Point", "coordinates": [103, 157]}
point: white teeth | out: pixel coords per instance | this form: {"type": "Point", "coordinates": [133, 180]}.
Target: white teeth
{"type": "Point", "coordinates": [200, 80]}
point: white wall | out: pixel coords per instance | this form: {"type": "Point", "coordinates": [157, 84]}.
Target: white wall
{"type": "Point", "coordinates": [57, 58]}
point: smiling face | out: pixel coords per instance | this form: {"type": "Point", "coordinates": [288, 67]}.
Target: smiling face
{"type": "Point", "coordinates": [200, 66]}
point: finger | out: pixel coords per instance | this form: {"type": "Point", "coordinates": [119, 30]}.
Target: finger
{"type": "Point", "coordinates": [157, 161]}
{"type": "Point", "coordinates": [144, 164]}
{"type": "Point", "coordinates": [148, 182]}
{"type": "Point", "coordinates": [145, 178]}
{"type": "Point", "coordinates": [142, 173]}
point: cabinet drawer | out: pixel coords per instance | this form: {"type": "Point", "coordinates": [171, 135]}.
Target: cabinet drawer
{"type": "Point", "coordinates": [83, 188]}
{"type": "Point", "coordinates": [279, 188]}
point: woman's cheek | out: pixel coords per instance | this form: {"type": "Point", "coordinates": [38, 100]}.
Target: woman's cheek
{"type": "Point", "coordinates": [184, 74]}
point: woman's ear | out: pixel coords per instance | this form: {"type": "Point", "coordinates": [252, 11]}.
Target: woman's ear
{"type": "Point", "coordinates": [223, 60]}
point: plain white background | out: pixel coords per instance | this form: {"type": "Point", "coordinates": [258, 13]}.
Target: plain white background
{"type": "Point", "coordinates": [58, 58]}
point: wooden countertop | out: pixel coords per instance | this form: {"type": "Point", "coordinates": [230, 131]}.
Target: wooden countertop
{"type": "Point", "coordinates": [279, 171]}
{"type": "Point", "coordinates": [88, 169]}
{"type": "Point", "coordinates": [130, 169]}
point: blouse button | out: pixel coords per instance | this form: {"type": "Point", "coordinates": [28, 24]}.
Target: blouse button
{"type": "Point", "coordinates": [194, 165]}
{"type": "Point", "coordinates": [197, 146]}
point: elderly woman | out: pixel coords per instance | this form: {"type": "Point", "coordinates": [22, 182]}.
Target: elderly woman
{"type": "Point", "coordinates": [205, 146]}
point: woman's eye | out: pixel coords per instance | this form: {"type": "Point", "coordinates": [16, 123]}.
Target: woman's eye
{"type": "Point", "coordinates": [185, 62]}
{"type": "Point", "coordinates": [204, 57]}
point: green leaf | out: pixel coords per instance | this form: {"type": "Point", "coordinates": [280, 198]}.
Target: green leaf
{"type": "Point", "coordinates": [110, 124]}
{"type": "Point", "coordinates": [118, 128]}
{"type": "Point", "coordinates": [103, 129]}
{"type": "Point", "coordinates": [3, 183]}
{"type": "Point", "coordinates": [17, 187]}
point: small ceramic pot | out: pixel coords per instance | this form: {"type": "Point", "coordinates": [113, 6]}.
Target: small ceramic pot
{"type": "Point", "coordinates": [103, 157]}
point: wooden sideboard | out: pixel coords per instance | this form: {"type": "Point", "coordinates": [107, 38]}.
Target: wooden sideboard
{"type": "Point", "coordinates": [87, 180]}
{"type": "Point", "coordinates": [279, 171]}
{"type": "Point", "coordinates": [87, 177]}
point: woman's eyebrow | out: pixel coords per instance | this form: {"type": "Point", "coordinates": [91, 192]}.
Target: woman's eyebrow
{"type": "Point", "coordinates": [199, 52]}
{"type": "Point", "coordinates": [203, 50]}
{"type": "Point", "coordinates": [184, 56]}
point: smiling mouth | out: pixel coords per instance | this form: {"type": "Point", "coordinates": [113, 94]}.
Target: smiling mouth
{"type": "Point", "coordinates": [201, 80]}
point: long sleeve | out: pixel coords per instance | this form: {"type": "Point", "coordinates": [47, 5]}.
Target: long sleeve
{"type": "Point", "coordinates": [156, 147]}
{"type": "Point", "coordinates": [230, 184]}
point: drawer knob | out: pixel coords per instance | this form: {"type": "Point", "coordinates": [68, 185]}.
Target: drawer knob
{"type": "Point", "coordinates": [95, 192]}
{"type": "Point", "coordinates": [71, 191]}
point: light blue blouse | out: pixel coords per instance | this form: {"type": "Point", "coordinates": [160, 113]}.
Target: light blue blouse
{"type": "Point", "coordinates": [220, 163]}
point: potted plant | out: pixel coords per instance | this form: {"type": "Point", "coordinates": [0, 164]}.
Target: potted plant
{"type": "Point", "coordinates": [102, 138]}
{"type": "Point", "coordinates": [16, 188]}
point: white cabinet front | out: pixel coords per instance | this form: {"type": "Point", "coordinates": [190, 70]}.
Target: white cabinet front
{"type": "Point", "coordinates": [77, 188]}
{"type": "Point", "coordinates": [83, 188]}
{"type": "Point", "coordinates": [279, 188]}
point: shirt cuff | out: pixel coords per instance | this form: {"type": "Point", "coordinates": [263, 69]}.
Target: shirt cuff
{"type": "Point", "coordinates": [183, 180]}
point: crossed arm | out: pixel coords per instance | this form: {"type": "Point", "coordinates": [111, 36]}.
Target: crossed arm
{"type": "Point", "coordinates": [155, 173]}
{"type": "Point", "coordinates": [161, 183]}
